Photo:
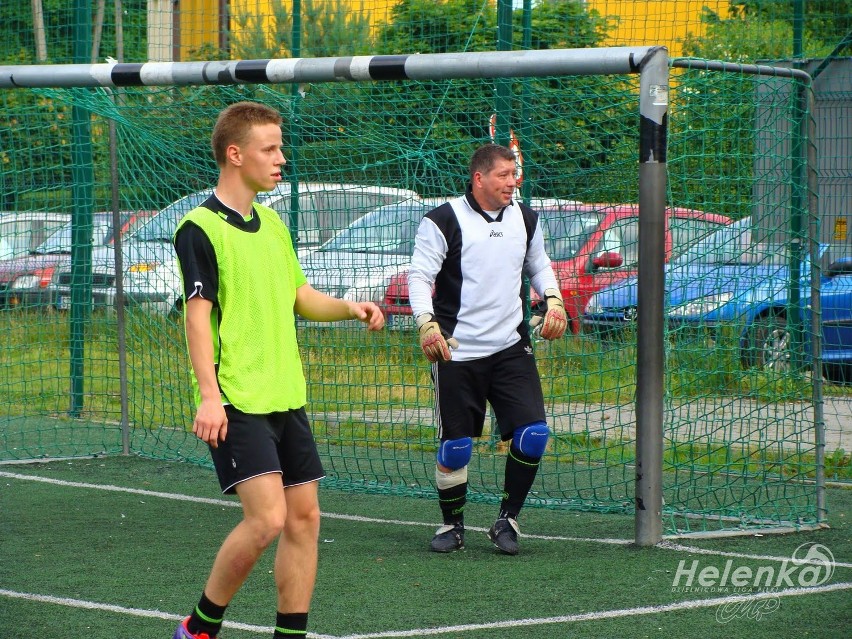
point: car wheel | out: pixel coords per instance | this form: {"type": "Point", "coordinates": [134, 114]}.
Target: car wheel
{"type": "Point", "coordinates": [769, 347]}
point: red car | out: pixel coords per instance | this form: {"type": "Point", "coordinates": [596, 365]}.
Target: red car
{"type": "Point", "coordinates": [591, 246]}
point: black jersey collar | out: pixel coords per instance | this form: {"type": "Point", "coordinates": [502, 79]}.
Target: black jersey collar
{"type": "Point", "coordinates": [468, 194]}
{"type": "Point", "coordinates": [231, 216]}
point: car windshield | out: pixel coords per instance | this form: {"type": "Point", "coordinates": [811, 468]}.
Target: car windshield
{"type": "Point", "coordinates": [161, 227]}
{"type": "Point", "coordinates": [566, 232]}
{"type": "Point", "coordinates": [735, 245]}
{"type": "Point", "coordinates": [389, 230]}
{"type": "Point", "coordinates": [60, 241]}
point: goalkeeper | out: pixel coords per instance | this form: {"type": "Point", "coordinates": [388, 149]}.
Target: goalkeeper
{"type": "Point", "coordinates": [473, 251]}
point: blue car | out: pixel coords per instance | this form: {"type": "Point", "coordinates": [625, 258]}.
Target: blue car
{"type": "Point", "coordinates": [727, 279]}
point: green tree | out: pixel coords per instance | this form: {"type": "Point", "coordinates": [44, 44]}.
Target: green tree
{"type": "Point", "coordinates": [328, 29]}
{"type": "Point", "coordinates": [35, 139]}
{"type": "Point", "coordinates": [17, 43]}
{"type": "Point", "coordinates": [748, 37]}
{"type": "Point", "coordinates": [576, 128]}
{"type": "Point", "coordinates": [826, 22]}
{"type": "Point", "coordinates": [561, 24]}
{"type": "Point", "coordinates": [582, 139]}
{"type": "Point", "coordinates": [439, 26]}
{"type": "Point", "coordinates": [714, 125]}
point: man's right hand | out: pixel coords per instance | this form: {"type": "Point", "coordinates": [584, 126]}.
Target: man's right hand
{"type": "Point", "coordinates": [211, 422]}
{"type": "Point", "coordinates": [435, 345]}
{"type": "Point", "coordinates": [555, 320]}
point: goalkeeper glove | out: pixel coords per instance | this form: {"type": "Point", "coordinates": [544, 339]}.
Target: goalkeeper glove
{"type": "Point", "coordinates": [436, 344]}
{"type": "Point", "coordinates": [555, 321]}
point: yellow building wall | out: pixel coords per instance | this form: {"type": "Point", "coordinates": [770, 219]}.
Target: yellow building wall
{"type": "Point", "coordinates": [198, 25]}
{"type": "Point", "coordinates": [637, 22]}
{"type": "Point", "coordinates": [649, 22]}
{"type": "Point", "coordinates": [199, 19]}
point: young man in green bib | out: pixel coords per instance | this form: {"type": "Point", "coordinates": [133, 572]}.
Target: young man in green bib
{"type": "Point", "coordinates": [243, 288]}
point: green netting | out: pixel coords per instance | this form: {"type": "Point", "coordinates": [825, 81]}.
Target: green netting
{"type": "Point", "coordinates": [741, 436]}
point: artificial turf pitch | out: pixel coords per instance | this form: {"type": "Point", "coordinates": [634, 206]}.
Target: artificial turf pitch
{"type": "Point", "coordinates": [120, 547]}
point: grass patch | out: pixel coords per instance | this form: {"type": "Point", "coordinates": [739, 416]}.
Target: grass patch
{"type": "Point", "coordinates": [349, 367]}
{"type": "Point", "coordinates": [370, 398]}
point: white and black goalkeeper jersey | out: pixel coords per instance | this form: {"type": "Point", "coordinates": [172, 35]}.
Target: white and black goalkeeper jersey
{"type": "Point", "coordinates": [475, 262]}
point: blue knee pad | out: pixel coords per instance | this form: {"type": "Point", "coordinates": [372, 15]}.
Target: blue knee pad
{"type": "Point", "coordinates": [455, 453]}
{"type": "Point", "coordinates": [531, 439]}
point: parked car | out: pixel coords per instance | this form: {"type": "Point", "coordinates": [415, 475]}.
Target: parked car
{"type": "Point", "coordinates": [21, 232]}
{"type": "Point", "coordinates": [150, 272]}
{"type": "Point", "coordinates": [25, 281]}
{"type": "Point", "coordinates": [325, 208]}
{"type": "Point", "coordinates": [835, 324]}
{"type": "Point", "coordinates": [591, 246]}
{"type": "Point", "coordinates": [151, 275]}
{"type": "Point", "coordinates": [728, 279]}
{"type": "Point", "coordinates": [370, 258]}
{"type": "Point", "coordinates": [359, 262]}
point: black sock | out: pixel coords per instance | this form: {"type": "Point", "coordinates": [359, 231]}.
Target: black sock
{"type": "Point", "coordinates": [291, 625]}
{"type": "Point", "coordinates": [452, 502]}
{"type": "Point", "coordinates": [207, 617]}
{"type": "Point", "coordinates": [520, 475]}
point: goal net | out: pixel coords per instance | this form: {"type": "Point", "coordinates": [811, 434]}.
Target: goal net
{"type": "Point", "coordinates": [372, 143]}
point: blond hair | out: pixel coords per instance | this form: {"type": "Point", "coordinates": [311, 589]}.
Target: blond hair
{"type": "Point", "coordinates": [234, 123]}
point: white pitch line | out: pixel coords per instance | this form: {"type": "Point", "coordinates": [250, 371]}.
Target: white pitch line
{"type": "Point", "coordinates": [607, 614]}
{"type": "Point", "coordinates": [668, 545]}
{"type": "Point", "coordinates": [236, 504]}
{"type": "Point", "coordinates": [593, 616]}
{"type": "Point", "coordinates": [424, 632]}
{"type": "Point", "coordinates": [665, 545]}
{"type": "Point", "coordinates": [135, 612]}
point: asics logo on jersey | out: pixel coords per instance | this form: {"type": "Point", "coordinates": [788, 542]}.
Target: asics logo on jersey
{"type": "Point", "coordinates": [496, 234]}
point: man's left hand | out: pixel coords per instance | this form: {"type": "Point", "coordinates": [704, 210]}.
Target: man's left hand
{"type": "Point", "coordinates": [368, 313]}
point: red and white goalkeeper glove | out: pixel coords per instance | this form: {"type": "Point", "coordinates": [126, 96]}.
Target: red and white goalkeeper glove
{"type": "Point", "coordinates": [555, 320]}
{"type": "Point", "coordinates": [436, 344]}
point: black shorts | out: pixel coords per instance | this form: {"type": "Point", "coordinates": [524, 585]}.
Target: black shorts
{"type": "Point", "coordinates": [261, 444]}
{"type": "Point", "coordinates": [508, 380]}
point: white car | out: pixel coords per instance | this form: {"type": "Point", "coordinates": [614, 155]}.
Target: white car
{"type": "Point", "coordinates": [21, 232]}
{"type": "Point", "coordinates": [325, 208]}
{"type": "Point", "coordinates": [358, 262]}
{"type": "Point", "coordinates": [150, 273]}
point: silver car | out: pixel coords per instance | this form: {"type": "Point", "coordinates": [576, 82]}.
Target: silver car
{"type": "Point", "coordinates": [325, 208]}
{"type": "Point", "coordinates": [359, 261]}
{"type": "Point", "coordinates": [21, 232]}
{"type": "Point", "coordinates": [25, 281]}
{"type": "Point", "coordinates": [151, 277]}
{"type": "Point", "coordinates": [365, 259]}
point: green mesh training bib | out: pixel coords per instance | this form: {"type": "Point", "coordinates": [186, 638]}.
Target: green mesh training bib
{"type": "Point", "coordinates": [254, 335]}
